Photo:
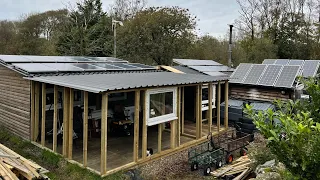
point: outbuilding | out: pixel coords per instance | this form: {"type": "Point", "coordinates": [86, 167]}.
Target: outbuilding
{"type": "Point", "coordinates": [104, 113]}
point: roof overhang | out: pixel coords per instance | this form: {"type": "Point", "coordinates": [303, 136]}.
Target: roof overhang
{"type": "Point", "coordinates": [98, 83]}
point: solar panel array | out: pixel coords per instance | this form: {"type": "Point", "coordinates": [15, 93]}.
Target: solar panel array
{"type": "Point", "coordinates": [240, 73]}
{"type": "Point", "coordinates": [287, 76]}
{"type": "Point", "coordinates": [78, 67]}
{"type": "Point", "coordinates": [270, 75]}
{"type": "Point", "coordinates": [266, 74]}
{"type": "Point", "coordinates": [255, 73]}
{"type": "Point", "coordinates": [50, 64]}
{"type": "Point", "coordinates": [61, 59]}
{"type": "Point", "coordinates": [308, 68]}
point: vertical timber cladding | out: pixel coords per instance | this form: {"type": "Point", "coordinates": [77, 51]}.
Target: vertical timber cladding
{"type": "Point", "coordinates": [15, 102]}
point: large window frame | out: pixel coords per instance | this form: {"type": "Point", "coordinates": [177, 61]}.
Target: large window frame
{"type": "Point", "coordinates": [205, 103]}
{"type": "Point", "coordinates": [164, 118]}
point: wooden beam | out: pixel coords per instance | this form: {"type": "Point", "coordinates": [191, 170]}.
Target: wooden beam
{"type": "Point", "coordinates": [104, 129]}
{"type": "Point", "coordinates": [210, 91]}
{"type": "Point", "coordinates": [173, 134]}
{"type": "Point", "coordinates": [226, 112]}
{"type": "Point", "coordinates": [182, 110]}
{"type": "Point", "coordinates": [43, 114]}
{"type": "Point", "coordinates": [36, 112]}
{"type": "Point", "coordinates": [55, 117]}
{"type": "Point", "coordinates": [136, 126]}
{"type": "Point", "coordinates": [32, 110]}
{"type": "Point", "coordinates": [70, 126]}
{"type": "Point", "coordinates": [178, 132]}
{"type": "Point", "coordinates": [197, 108]}
{"type": "Point", "coordinates": [160, 137]}
{"type": "Point", "coordinates": [144, 127]}
{"type": "Point", "coordinates": [218, 106]}
{"type": "Point", "coordinates": [85, 128]}
{"type": "Point", "coordinates": [65, 121]}
{"type": "Point", "coordinates": [200, 110]}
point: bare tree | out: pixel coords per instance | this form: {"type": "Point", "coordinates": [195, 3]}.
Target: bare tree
{"type": "Point", "coordinates": [125, 9]}
{"type": "Point", "coordinates": [248, 11]}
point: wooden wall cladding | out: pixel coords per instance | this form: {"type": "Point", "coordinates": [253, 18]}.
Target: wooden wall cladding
{"type": "Point", "coordinates": [14, 102]}
{"type": "Point", "coordinates": [258, 93]}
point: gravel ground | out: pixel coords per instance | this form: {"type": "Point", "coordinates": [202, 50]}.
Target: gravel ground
{"type": "Point", "coordinates": [171, 167]}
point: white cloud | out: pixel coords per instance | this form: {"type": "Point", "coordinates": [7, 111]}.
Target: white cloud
{"type": "Point", "coordinates": [214, 15]}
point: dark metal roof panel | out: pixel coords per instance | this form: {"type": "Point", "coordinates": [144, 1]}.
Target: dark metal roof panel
{"type": "Point", "coordinates": [109, 82]}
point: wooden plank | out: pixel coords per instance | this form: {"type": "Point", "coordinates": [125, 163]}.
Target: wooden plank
{"type": "Point", "coordinates": [85, 129]}
{"type": "Point", "coordinates": [226, 110]}
{"type": "Point", "coordinates": [160, 137]}
{"type": "Point", "coordinates": [136, 126]}
{"type": "Point", "coordinates": [218, 106]}
{"type": "Point", "coordinates": [171, 69]}
{"type": "Point", "coordinates": [43, 113]}
{"type": "Point", "coordinates": [55, 117]}
{"type": "Point", "coordinates": [36, 106]}
{"type": "Point", "coordinates": [182, 110]}
{"type": "Point", "coordinates": [173, 134]}
{"type": "Point", "coordinates": [104, 129]}
{"type": "Point", "coordinates": [65, 121]}
{"type": "Point", "coordinates": [144, 127]}
{"type": "Point", "coordinates": [210, 91]}
{"type": "Point", "coordinates": [32, 110]}
{"type": "Point", "coordinates": [200, 110]}
{"type": "Point", "coordinates": [70, 126]}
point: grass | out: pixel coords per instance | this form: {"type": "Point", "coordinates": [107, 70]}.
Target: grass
{"type": "Point", "coordinates": [59, 168]}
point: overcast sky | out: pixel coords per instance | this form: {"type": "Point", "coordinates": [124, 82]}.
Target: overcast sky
{"type": "Point", "coordinates": [214, 15]}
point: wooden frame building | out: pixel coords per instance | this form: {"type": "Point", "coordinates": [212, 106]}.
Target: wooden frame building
{"type": "Point", "coordinates": [158, 119]}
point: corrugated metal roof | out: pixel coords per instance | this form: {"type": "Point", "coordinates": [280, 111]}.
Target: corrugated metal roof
{"type": "Point", "coordinates": [187, 70]}
{"type": "Point", "coordinates": [109, 82]}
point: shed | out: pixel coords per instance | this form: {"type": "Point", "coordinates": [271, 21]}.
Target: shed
{"type": "Point", "coordinates": [104, 113]}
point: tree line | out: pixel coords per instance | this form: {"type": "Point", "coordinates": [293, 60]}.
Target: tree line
{"type": "Point", "coordinates": [156, 35]}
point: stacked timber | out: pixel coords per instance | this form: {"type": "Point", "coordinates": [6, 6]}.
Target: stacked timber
{"type": "Point", "coordinates": [14, 167]}
{"type": "Point", "coordinates": [237, 171]}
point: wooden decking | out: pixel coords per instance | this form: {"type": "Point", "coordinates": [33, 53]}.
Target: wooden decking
{"type": "Point", "coordinates": [120, 149]}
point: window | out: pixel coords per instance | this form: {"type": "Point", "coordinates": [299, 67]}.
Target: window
{"type": "Point", "coordinates": [161, 105]}
{"type": "Point", "coordinates": [205, 97]}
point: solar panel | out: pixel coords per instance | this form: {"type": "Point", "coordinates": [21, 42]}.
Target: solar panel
{"type": "Point", "coordinates": [270, 75]}
{"type": "Point", "coordinates": [296, 62]}
{"type": "Point", "coordinates": [193, 62]}
{"type": "Point", "coordinates": [63, 67]}
{"type": "Point", "coordinates": [287, 76]}
{"type": "Point", "coordinates": [107, 59]}
{"type": "Point", "coordinates": [33, 67]}
{"type": "Point", "coordinates": [88, 67]}
{"type": "Point", "coordinates": [125, 66]}
{"type": "Point", "coordinates": [240, 73]}
{"type": "Point", "coordinates": [310, 68]}
{"type": "Point", "coordinates": [142, 66]}
{"type": "Point", "coordinates": [107, 66]}
{"type": "Point", "coordinates": [215, 73]}
{"type": "Point", "coordinates": [282, 61]}
{"type": "Point", "coordinates": [210, 68]}
{"type": "Point", "coordinates": [13, 58]}
{"type": "Point", "coordinates": [269, 61]}
{"type": "Point", "coordinates": [255, 73]}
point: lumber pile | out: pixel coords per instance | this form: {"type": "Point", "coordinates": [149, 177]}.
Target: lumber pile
{"type": "Point", "coordinates": [15, 167]}
{"type": "Point", "coordinates": [238, 170]}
